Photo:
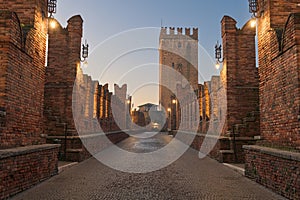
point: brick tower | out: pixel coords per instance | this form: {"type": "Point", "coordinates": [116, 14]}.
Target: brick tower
{"type": "Point", "coordinates": [178, 51]}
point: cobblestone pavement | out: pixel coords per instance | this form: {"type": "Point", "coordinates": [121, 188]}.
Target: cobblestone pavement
{"type": "Point", "coordinates": [187, 178]}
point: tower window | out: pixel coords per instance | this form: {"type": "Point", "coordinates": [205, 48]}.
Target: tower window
{"type": "Point", "coordinates": [179, 67]}
{"type": "Point", "coordinates": [179, 45]}
{"type": "Point", "coordinates": [173, 65]}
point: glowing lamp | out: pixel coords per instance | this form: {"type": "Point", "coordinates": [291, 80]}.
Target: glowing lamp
{"type": "Point", "coordinates": [52, 23]}
{"type": "Point", "coordinates": [253, 23]}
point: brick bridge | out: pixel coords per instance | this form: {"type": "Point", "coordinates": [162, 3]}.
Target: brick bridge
{"type": "Point", "coordinates": [261, 127]}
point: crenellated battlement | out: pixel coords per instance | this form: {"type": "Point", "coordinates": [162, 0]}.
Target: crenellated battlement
{"type": "Point", "coordinates": [169, 32]}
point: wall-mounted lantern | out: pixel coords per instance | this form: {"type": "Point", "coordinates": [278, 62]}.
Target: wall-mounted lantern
{"type": "Point", "coordinates": [173, 117]}
{"type": "Point", "coordinates": [85, 51]}
{"type": "Point", "coordinates": [51, 11]}
{"type": "Point", "coordinates": [52, 7]}
{"type": "Point", "coordinates": [85, 54]}
{"type": "Point", "coordinates": [254, 8]}
{"type": "Point", "coordinates": [218, 54]}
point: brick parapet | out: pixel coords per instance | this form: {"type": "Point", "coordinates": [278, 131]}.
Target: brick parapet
{"type": "Point", "coordinates": [21, 168]}
{"type": "Point", "coordinates": [82, 147]}
{"type": "Point", "coordinates": [25, 160]}
{"type": "Point", "coordinates": [26, 10]}
{"type": "Point", "coordinates": [19, 151]}
{"type": "Point", "coordinates": [201, 100]}
{"type": "Point", "coordinates": [118, 106]}
{"type": "Point", "coordinates": [239, 73]}
{"type": "Point", "coordinates": [177, 33]}
{"type": "Point", "coordinates": [275, 169]}
{"type": "Point", "coordinates": [10, 29]}
{"type": "Point", "coordinates": [279, 10]}
{"type": "Point", "coordinates": [289, 155]}
{"type": "Point", "coordinates": [186, 108]}
{"type": "Point", "coordinates": [227, 100]}
{"type": "Point", "coordinates": [75, 28]}
{"type": "Point", "coordinates": [73, 101]}
{"type": "Point", "coordinates": [63, 67]}
{"type": "Point", "coordinates": [23, 55]}
{"type": "Point", "coordinates": [278, 36]}
{"type": "Point", "coordinates": [75, 104]}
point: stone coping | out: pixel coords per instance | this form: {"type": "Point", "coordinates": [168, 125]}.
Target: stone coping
{"type": "Point", "coordinates": [246, 87]}
{"type": "Point", "coordinates": [274, 152]}
{"type": "Point", "coordinates": [204, 135]}
{"type": "Point", "coordinates": [86, 136]}
{"type": "Point", "coordinates": [18, 151]}
{"type": "Point", "coordinates": [219, 137]}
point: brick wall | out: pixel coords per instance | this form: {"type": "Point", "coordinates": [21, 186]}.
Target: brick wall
{"type": "Point", "coordinates": [201, 100]}
{"type": "Point", "coordinates": [276, 169]}
{"type": "Point", "coordinates": [85, 105]}
{"type": "Point", "coordinates": [119, 111]}
{"type": "Point", "coordinates": [63, 64]}
{"type": "Point", "coordinates": [91, 109]}
{"type": "Point", "coordinates": [25, 159]}
{"type": "Point", "coordinates": [204, 106]}
{"type": "Point", "coordinates": [187, 109]}
{"type": "Point", "coordinates": [279, 71]}
{"type": "Point", "coordinates": [22, 75]}
{"type": "Point", "coordinates": [75, 105]}
{"type": "Point", "coordinates": [80, 148]}
{"type": "Point", "coordinates": [21, 168]}
{"type": "Point", "coordinates": [214, 87]}
{"type": "Point", "coordinates": [104, 107]}
{"type": "Point", "coordinates": [229, 103]}
{"type": "Point", "coordinates": [88, 137]}
{"type": "Point", "coordinates": [239, 74]}
{"type": "Point", "coordinates": [278, 45]}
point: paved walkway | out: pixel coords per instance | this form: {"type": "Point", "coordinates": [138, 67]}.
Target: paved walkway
{"type": "Point", "coordinates": [187, 178]}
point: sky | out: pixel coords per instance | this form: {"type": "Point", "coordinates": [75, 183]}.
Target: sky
{"type": "Point", "coordinates": [123, 37]}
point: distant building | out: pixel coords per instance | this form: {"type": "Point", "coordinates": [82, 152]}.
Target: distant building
{"type": "Point", "coordinates": [177, 51]}
{"type": "Point", "coordinates": [146, 107]}
{"type": "Point", "coordinates": [148, 116]}
{"type": "Point", "coordinates": [138, 118]}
